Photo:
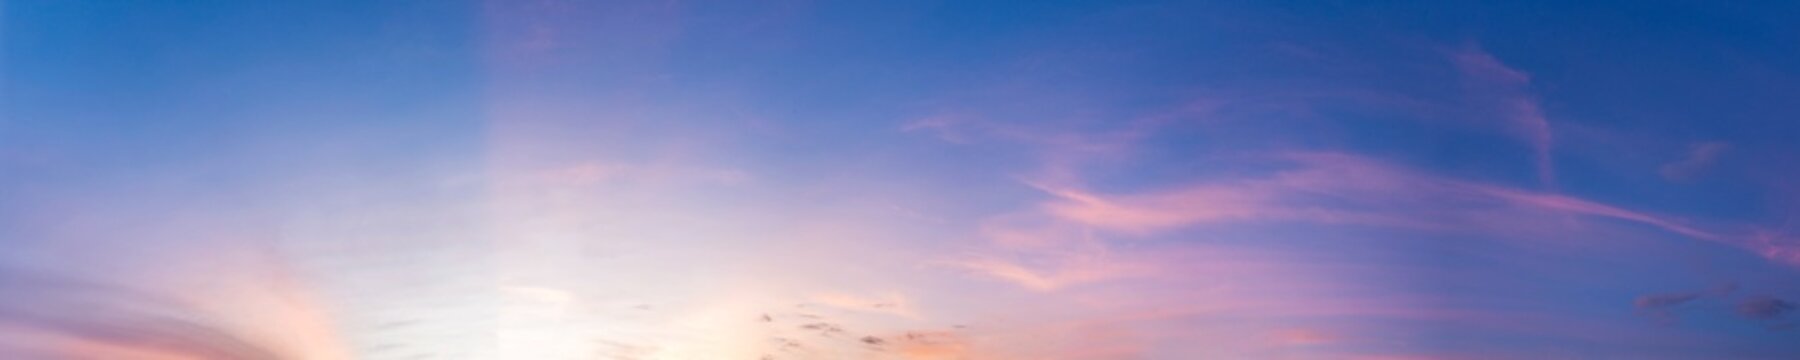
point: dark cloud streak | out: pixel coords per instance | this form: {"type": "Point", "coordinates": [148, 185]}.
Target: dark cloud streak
{"type": "Point", "coordinates": [1764, 307]}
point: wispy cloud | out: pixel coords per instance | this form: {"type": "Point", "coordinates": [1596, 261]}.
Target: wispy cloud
{"type": "Point", "coordinates": [1339, 188]}
{"type": "Point", "coordinates": [1063, 271]}
{"type": "Point", "coordinates": [890, 303]}
{"type": "Point", "coordinates": [1318, 188]}
{"type": "Point", "coordinates": [65, 318]}
{"type": "Point", "coordinates": [1764, 307]}
{"type": "Point", "coordinates": [1506, 91]}
{"type": "Point", "coordinates": [1698, 158]}
{"type": "Point", "coordinates": [1657, 301]}
{"type": "Point", "coordinates": [1304, 337]}
{"type": "Point", "coordinates": [1661, 306]}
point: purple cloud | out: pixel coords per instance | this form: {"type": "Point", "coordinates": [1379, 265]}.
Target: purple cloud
{"type": "Point", "coordinates": [1764, 307]}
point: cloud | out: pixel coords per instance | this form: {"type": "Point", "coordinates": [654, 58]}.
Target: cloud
{"type": "Point", "coordinates": [1658, 301]}
{"type": "Point", "coordinates": [923, 345]}
{"type": "Point", "coordinates": [1085, 209]}
{"type": "Point", "coordinates": [1479, 64]}
{"type": "Point", "coordinates": [1700, 156]}
{"type": "Point", "coordinates": [891, 303]}
{"type": "Point", "coordinates": [1162, 210]}
{"type": "Point", "coordinates": [1067, 270]}
{"type": "Point", "coordinates": [949, 128]}
{"type": "Point", "coordinates": [1304, 336]}
{"type": "Point", "coordinates": [1659, 305]}
{"type": "Point", "coordinates": [1062, 148]}
{"type": "Point", "coordinates": [91, 319]}
{"type": "Point", "coordinates": [1505, 90]}
{"type": "Point", "coordinates": [1778, 246]}
{"type": "Point", "coordinates": [1764, 307]}
{"type": "Point", "coordinates": [1347, 189]}
{"type": "Point", "coordinates": [1339, 188]}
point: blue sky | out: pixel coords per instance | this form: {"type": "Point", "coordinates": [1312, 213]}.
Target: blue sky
{"type": "Point", "coordinates": [910, 180]}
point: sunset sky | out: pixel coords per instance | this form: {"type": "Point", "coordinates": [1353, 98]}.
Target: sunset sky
{"type": "Point", "coordinates": [790, 179]}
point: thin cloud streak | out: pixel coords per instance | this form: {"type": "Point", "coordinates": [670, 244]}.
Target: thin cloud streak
{"type": "Point", "coordinates": [1506, 91]}
{"type": "Point", "coordinates": [1699, 157]}
{"type": "Point", "coordinates": [1346, 189]}
{"type": "Point", "coordinates": [72, 318]}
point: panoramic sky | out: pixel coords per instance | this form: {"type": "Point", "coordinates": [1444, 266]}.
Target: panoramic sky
{"type": "Point", "coordinates": [767, 180]}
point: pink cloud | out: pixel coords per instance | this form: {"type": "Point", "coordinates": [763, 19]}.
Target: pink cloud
{"type": "Point", "coordinates": [1504, 89]}
{"type": "Point", "coordinates": [1478, 63]}
{"type": "Point", "coordinates": [1780, 247]}
{"type": "Point", "coordinates": [1054, 245]}
{"type": "Point", "coordinates": [1304, 336]}
{"type": "Point", "coordinates": [1335, 188]}
{"type": "Point", "coordinates": [1158, 211]}
{"type": "Point", "coordinates": [1062, 270]}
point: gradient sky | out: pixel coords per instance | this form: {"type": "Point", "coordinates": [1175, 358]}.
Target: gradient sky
{"type": "Point", "coordinates": [552, 179]}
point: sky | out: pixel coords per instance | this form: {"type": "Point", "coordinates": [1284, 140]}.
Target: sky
{"type": "Point", "coordinates": [790, 179]}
